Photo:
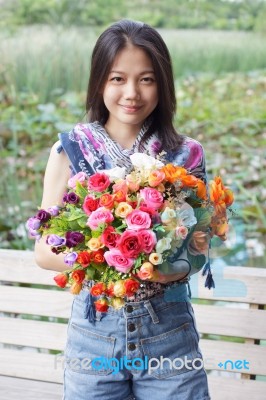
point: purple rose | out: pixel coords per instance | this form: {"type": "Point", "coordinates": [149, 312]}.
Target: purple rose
{"type": "Point", "coordinates": [70, 258]}
{"type": "Point", "coordinates": [55, 240]}
{"type": "Point", "coordinates": [74, 238]}
{"type": "Point", "coordinates": [71, 198]}
{"type": "Point", "coordinates": [43, 215]}
{"type": "Point", "coordinates": [54, 211]}
{"type": "Point", "coordinates": [33, 223]}
{"type": "Point", "coordinates": [35, 234]}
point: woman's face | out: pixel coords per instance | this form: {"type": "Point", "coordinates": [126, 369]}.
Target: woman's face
{"type": "Point", "coordinates": [130, 93]}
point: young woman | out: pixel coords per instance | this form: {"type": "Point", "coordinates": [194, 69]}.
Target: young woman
{"type": "Point", "coordinates": [149, 347]}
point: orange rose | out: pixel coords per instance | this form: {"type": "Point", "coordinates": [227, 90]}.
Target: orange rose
{"type": "Point", "coordinates": [120, 196]}
{"type": "Point", "coordinates": [173, 173]}
{"type": "Point", "coordinates": [78, 275]}
{"type": "Point", "coordinates": [131, 286]}
{"type": "Point", "coordinates": [107, 201]}
{"type": "Point", "coordinates": [228, 197]}
{"type": "Point", "coordinates": [84, 258]}
{"type": "Point", "coordinates": [98, 289]}
{"type": "Point", "coordinates": [189, 180]}
{"type": "Point", "coordinates": [97, 256]}
{"type": "Point", "coordinates": [110, 289]}
{"type": "Point", "coordinates": [201, 190]}
{"type": "Point", "coordinates": [101, 305]}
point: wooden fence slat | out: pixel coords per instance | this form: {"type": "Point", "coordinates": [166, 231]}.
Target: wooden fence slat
{"type": "Point", "coordinates": [42, 302]}
{"type": "Point", "coordinates": [236, 389]}
{"type": "Point", "coordinates": [25, 389]}
{"type": "Point", "coordinates": [228, 321]}
{"type": "Point", "coordinates": [217, 351]}
{"type": "Point", "coordinates": [28, 365]}
{"type": "Point", "coordinates": [233, 284]}
{"type": "Point", "coordinates": [41, 334]}
{"type": "Point", "coordinates": [20, 266]}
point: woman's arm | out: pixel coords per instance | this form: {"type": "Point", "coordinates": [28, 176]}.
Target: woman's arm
{"type": "Point", "coordinates": [55, 181]}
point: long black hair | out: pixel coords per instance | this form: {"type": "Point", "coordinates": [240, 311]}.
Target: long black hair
{"type": "Point", "coordinates": [113, 40]}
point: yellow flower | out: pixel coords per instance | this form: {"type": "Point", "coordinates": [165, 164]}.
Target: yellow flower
{"type": "Point", "coordinates": [76, 288]}
{"type": "Point", "coordinates": [123, 209]}
{"type": "Point", "coordinates": [95, 244]}
{"type": "Point", "coordinates": [155, 258]}
{"type": "Point", "coordinates": [119, 288]}
{"type": "Point", "coordinates": [117, 302]}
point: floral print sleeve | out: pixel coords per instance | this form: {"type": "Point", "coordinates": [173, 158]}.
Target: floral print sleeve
{"type": "Point", "coordinates": [190, 155]}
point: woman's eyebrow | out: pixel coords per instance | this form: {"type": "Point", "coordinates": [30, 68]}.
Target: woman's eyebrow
{"type": "Point", "coordinates": [142, 73]}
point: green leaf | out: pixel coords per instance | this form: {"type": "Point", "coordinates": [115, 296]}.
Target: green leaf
{"type": "Point", "coordinates": [203, 216]}
{"type": "Point", "coordinates": [81, 191]}
{"type": "Point", "coordinates": [198, 261]}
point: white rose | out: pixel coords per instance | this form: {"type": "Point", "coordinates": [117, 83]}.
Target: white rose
{"type": "Point", "coordinates": [163, 244]}
{"type": "Point", "coordinates": [115, 173]}
{"type": "Point", "coordinates": [143, 161]}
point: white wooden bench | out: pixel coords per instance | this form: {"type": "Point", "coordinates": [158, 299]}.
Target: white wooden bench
{"type": "Point", "coordinates": [34, 314]}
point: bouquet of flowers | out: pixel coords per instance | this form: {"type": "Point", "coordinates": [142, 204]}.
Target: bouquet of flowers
{"type": "Point", "coordinates": [118, 230]}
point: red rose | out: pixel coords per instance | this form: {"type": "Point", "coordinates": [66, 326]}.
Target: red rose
{"type": "Point", "coordinates": [101, 305]}
{"type": "Point", "coordinates": [110, 289]}
{"type": "Point", "coordinates": [98, 256]}
{"type": "Point", "coordinates": [130, 244]}
{"type": "Point", "coordinates": [98, 289]}
{"type": "Point", "coordinates": [148, 210]}
{"type": "Point", "coordinates": [107, 201]}
{"type": "Point", "coordinates": [110, 237]}
{"type": "Point", "coordinates": [84, 258]}
{"type": "Point", "coordinates": [90, 204]}
{"type": "Point", "coordinates": [78, 275]}
{"type": "Point", "coordinates": [61, 280]}
{"type": "Point", "coordinates": [131, 286]}
{"type": "Point", "coordinates": [99, 182]}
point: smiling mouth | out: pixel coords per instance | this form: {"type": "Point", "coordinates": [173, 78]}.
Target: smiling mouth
{"type": "Point", "coordinates": [131, 108]}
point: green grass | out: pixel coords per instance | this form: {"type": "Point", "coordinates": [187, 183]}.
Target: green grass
{"type": "Point", "coordinates": [51, 60]}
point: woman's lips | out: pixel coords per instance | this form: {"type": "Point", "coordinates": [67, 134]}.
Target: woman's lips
{"type": "Point", "coordinates": [131, 109]}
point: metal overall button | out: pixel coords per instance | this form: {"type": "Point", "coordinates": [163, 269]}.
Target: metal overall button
{"type": "Point", "coordinates": [131, 346]}
{"type": "Point", "coordinates": [131, 327]}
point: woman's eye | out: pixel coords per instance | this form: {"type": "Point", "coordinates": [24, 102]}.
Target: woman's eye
{"type": "Point", "coordinates": [148, 79]}
{"type": "Point", "coordinates": [116, 79]}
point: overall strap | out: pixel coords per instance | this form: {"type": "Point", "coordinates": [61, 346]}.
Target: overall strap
{"type": "Point", "coordinates": [75, 155]}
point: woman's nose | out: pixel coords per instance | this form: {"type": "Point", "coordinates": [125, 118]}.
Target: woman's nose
{"type": "Point", "coordinates": [131, 91]}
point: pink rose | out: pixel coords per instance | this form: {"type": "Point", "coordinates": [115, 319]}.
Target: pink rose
{"type": "Point", "coordinates": [181, 232]}
{"type": "Point", "coordinates": [146, 271]}
{"type": "Point", "coordinates": [98, 182]}
{"type": "Point", "coordinates": [120, 186]}
{"type": "Point", "coordinates": [130, 244]}
{"type": "Point", "coordinates": [100, 216]}
{"type": "Point", "coordinates": [148, 239]}
{"type": "Point", "coordinates": [79, 177]}
{"type": "Point", "coordinates": [138, 220]}
{"type": "Point", "coordinates": [110, 237]}
{"type": "Point", "coordinates": [115, 258]}
{"type": "Point", "coordinates": [152, 198]}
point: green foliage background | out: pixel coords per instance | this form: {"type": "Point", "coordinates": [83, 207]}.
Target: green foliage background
{"type": "Point", "coordinates": [176, 14]}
